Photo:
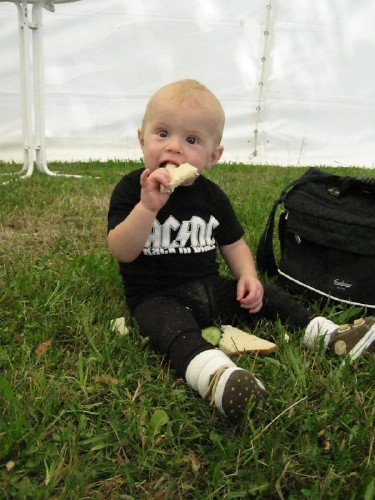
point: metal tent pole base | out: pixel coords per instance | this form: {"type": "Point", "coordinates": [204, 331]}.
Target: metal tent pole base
{"type": "Point", "coordinates": [34, 140]}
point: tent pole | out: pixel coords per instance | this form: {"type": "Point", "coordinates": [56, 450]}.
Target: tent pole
{"type": "Point", "coordinates": [39, 106]}
{"type": "Point", "coordinates": [26, 91]}
{"type": "Point", "coordinates": [33, 141]}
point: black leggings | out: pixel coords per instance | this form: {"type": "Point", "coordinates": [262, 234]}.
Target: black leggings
{"type": "Point", "coordinates": [173, 319]}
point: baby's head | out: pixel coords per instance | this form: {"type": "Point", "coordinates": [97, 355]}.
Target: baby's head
{"type": "Point", "coordinates": [193, 93]}
{"type": "Point", "coordinates": [183, 122]}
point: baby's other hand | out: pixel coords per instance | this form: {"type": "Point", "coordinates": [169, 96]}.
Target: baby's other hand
{"type": "Point", "coordinates": [250, 293]}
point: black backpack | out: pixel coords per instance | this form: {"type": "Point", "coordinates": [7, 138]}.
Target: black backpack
{"type": "Point", "coordinates": [326, 233]}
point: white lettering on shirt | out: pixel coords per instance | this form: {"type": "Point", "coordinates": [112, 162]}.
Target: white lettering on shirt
{"type": "Point", "coordinates": [194, 235]}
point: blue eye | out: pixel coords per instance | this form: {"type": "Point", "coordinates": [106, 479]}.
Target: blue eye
{"type": "Point", "coordinates": [192, 140]}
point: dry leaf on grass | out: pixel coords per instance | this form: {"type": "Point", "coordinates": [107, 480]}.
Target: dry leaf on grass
{"type": "Point", "coordinates": [195, 463]}
{"type": "Point", "coordinates": [43, 347]}
{"type": "Point", "coordinates": [10, 465]}
{"type": "Point", "coordinates": [105, 379]}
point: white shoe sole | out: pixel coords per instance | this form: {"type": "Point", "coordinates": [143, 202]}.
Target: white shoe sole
{"type": "Point", "coordinates": [363, 344]}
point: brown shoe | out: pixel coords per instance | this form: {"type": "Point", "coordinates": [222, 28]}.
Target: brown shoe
{"type": "Point", "coordinates": [233, 389]}
{"type": "Point", "coordinates": [352, 340]}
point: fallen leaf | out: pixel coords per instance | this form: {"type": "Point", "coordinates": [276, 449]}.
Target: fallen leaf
{"type": "Point", "coordinates": [327, 446]}
{"type": "Point", "coordinates": [10, 465]}
{"type": "Point", "coordinates": [43, 347]}
{"type": "Point", "coordinates": [357, 399]}
{"type": "Point", "coordinates": [106, 379]}
{"type": "Point", "coordinates": [195, 463]}
{"type": "Point", "coordinates": [160, 495]}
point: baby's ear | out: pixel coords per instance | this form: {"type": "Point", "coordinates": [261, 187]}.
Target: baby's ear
{"type": "Point", "coordinates": [140, 137]}
{"type": "Point", "coordinates": [216, 155]}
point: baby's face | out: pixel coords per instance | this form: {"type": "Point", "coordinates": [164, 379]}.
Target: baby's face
{"type": "Point", "coordinates": [179, 132]}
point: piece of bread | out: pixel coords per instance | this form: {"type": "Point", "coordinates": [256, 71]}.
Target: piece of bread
{"type": "Point", "coordinates": [179, 175]}
{"type": "Point", "coordinates": [235, 342]}
{"type": "Point", "coordinates": [118, 326]}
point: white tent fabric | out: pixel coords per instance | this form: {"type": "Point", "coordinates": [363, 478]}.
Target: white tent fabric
{"type": "Point", "coordinates": [295, 77]}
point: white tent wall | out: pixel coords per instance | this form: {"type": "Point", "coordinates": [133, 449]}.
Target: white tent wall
{"type": "Point", "coordinates": [298, 72]}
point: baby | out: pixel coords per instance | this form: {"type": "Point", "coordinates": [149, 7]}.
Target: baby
{"type": "Point", "coordinates": [166, 242]}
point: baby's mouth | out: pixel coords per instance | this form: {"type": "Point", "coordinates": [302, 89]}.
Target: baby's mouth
{"type": "Point", "coordinates": [165, 163]}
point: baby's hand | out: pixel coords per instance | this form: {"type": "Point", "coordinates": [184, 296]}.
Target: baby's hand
{"type": "Point", "coordinates": [250, 293]}
{"type": "Point", "coordinates": [151, 197]}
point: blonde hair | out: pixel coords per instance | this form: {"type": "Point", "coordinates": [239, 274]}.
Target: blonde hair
{"type": "Point", "coordinates": [196, 94]}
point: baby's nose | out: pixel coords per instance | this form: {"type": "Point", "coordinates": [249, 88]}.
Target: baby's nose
{"type": "Point", "coordinates": [174, 144]}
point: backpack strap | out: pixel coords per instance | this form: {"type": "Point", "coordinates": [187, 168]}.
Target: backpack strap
{"type": "Point", "coordinates": [265, 256]}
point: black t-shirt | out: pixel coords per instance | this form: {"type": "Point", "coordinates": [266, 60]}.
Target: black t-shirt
{"type": "Point", "coordinates": [182, 244]}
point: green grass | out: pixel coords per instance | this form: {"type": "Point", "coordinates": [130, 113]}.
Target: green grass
{"type": "Point", "coordinates": [98, 415]}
